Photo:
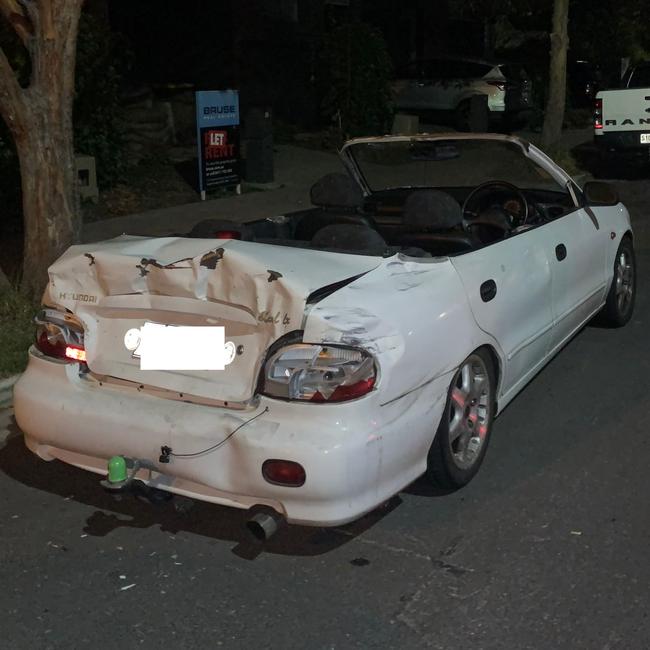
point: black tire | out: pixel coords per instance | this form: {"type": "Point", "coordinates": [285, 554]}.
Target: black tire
{"type": "Point", "coordinates": [619, 305]}
{"type": "Point", "coordinates": [444, 468]}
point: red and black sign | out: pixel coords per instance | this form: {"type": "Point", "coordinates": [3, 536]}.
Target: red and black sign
{"type": "Point", "coordinates": [220, 156]}
{"type": "Point", "coordinates": [217, 121]}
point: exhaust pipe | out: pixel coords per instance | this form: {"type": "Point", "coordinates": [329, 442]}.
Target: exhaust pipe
{"type": "Point", "coordinates": [264, 524]}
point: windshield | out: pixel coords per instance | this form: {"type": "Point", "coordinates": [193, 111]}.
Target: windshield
{"type": "Point", "coordinates": [447, 163]}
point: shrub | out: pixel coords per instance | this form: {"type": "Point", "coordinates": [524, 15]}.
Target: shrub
{"type": "Point", "coordinates": [16, 330]}
{"type": "Point", "coordinates": [102, 58]}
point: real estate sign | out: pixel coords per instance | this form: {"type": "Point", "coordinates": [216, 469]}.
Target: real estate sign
{"type": "Point", "coordinates": [217, 125]}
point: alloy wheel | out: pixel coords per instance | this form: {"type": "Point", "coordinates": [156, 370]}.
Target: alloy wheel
{"type": "Point", "coordinates": [470, 412]}
{"type": "Point", "coordinates": [624, 281]}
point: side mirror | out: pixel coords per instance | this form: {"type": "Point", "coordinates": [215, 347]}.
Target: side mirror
{"type": "Point", "coordinates": [599, 193]}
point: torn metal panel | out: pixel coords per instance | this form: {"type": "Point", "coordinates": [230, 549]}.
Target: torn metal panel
{"type": "Point", "coordinates": [258, 292]}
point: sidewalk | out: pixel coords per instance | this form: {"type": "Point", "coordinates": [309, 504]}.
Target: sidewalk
{"type": "Point", "coordinates": [296, 169]}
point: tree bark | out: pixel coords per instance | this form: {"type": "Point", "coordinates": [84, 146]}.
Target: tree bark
{"type": "Point", "coordinates": [555, 105]}
{"type": "Point", "coordinates": [39, 118]}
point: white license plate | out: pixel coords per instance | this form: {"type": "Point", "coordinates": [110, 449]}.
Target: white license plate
{"type": "Point", "coordinates": [645, 138]}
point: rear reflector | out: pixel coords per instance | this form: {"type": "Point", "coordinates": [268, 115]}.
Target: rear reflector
{"type": "Point", "coordinates": [283, 472]}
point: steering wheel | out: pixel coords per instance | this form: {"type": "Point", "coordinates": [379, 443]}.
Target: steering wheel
{"type": "Point", "coordinates": [489, 186]}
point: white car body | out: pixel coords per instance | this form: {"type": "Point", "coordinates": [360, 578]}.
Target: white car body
{"type": "Point", "coordinates": [417, 317]}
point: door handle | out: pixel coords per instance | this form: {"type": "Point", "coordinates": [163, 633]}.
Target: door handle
{"type": "Point", "coordinates": [560, 252]}
{"type": "Point", "coordinates": [488, 290]}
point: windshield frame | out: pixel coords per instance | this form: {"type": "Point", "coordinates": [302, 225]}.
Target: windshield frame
{"type": "Point", "coordinates": [528, 150]}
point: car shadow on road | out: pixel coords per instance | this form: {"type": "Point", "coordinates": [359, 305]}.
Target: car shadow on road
{"type": "Point", "coordinates": [204, 519]}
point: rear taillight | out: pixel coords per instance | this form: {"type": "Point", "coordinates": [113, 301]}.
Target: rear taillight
{"type": "Point", "coordinates": [344, 393]}
{"type": "Point", "coordinates": [598, 114]}
{"type": "Point", "coordinates": [59, 337]}
{"type": "Point", "coordinates": [319, 373]}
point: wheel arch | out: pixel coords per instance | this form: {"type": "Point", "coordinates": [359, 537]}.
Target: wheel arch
{"type": "Point", "coordinates": [497, 364]}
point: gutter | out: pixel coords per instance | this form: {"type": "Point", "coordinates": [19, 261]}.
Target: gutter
{"type": "Point", "coordinates": [7, 390]}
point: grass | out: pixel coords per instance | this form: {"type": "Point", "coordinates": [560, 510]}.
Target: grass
{"type": "Point", "coordinates": [16, 330]}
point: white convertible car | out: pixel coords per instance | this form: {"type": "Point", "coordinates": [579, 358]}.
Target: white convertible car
{"type": "Point", "coordinates": [364, 342]}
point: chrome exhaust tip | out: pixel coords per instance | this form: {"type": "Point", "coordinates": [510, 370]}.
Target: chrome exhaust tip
{"type": "Point", "coordinates": [264, 524]}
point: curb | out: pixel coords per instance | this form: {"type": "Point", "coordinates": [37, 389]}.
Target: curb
{"type": "Point", "coordinates": [7, 390]}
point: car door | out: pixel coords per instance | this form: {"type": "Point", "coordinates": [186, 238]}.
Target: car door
{"type": "Point", "coordinates": [508, 285]}
{"type": "Point", "coordinates": [576, 245]}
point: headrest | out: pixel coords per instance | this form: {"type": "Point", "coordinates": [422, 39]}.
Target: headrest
{"type": "Point", "coordinates": [432, 210]}
{"type": "Point", "coordinates": [336, 190]}
{"type": "Point", "coordinates": [350, 237]}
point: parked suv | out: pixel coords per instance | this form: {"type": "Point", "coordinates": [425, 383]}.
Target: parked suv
{"type": "Point", "coordinates": [457, 89]}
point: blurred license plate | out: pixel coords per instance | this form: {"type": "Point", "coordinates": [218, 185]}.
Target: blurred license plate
{"type": "Point", "coordinates": [169, 347]}
{"type": "Point", "coordinates": [645, 138]}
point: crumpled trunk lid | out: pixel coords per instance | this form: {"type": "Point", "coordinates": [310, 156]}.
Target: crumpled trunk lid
{"type": "Point", "coordinates": [257, 292]}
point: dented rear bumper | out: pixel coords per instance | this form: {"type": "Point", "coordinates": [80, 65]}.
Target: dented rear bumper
{"type": "Point", "coordinates": [356, 455]}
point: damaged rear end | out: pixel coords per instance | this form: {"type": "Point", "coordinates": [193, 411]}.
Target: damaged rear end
{"type": "Point", "coordinates": [257, 293]}
{"type": "Point", "coordinates": [85, 397]}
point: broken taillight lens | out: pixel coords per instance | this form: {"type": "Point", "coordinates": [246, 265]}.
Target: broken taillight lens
{"type": "Point", "coordinates": [59, 339]}
{"type": "Point", "coordinates": [319, 373]}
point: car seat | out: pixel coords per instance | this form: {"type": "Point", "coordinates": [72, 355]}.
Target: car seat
{"type": "Point", "coordinates": [339, 198]}
{"type": "Point", "coordinates": [352, 238]}
{"type": "Point", "coordinates": [433, 221]}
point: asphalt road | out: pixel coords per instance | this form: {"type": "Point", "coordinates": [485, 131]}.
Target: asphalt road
{"type": "Point", "coordinates": [546, 548]}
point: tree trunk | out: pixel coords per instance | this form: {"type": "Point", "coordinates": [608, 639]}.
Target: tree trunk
{"type": "Point", "coordinates": [554, 115]}
{"type": "Point", "coordinates": [50, 214]}
{"type": "Point", "coordinates": [40, 120]}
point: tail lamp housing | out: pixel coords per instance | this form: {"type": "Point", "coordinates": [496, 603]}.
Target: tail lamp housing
{"type": "Point", "coordinates": [60, 336]}
{"type": "Point", "coordinates": [598, 114]}
{"type": "Point", "coordinates": [319, 373]}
